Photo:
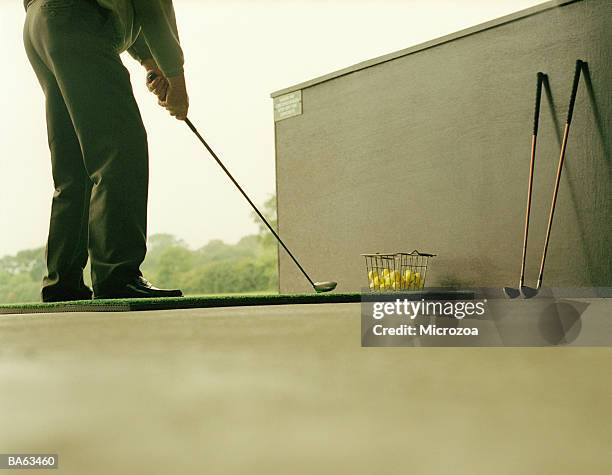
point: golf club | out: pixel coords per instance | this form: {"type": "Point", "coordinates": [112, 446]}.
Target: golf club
{"type": "Point", "coordinates": [511, 292]}
{"type": "Point", "coordinates": [529, 292]}
{"type": "Point", "coordinates": [317, 286]}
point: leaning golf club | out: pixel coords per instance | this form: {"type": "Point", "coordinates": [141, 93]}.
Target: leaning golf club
{"type": "Point", "coordinates": [317, 286]}
{"type": "Point", "coordinates": [511, 292]}
{"type": "Point", "coordinates": [529, 292]}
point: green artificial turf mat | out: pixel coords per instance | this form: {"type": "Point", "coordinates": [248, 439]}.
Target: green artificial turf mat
{"type": "Point", "coordinates": [236, 300]}
{"type": "Point", "coordinates": [133, 305]}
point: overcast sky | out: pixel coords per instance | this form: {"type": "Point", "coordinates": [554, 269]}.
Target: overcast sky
{"type": "Point", "coordinates": [237, 53]}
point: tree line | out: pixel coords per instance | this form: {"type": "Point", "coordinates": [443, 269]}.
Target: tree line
{"type": "Point", "coordinates": [247, 266]}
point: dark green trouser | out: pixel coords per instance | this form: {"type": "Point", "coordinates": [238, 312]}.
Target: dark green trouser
{"type": "Point", "coordinates": [98, 146]}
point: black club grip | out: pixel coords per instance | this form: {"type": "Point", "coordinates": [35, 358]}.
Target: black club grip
{"type": "Point", "coordinates": [538, 100]}
{"type": "Point", "coordinates": [570, 111]}
{"type": "Point", "coordinates": [151, 76]}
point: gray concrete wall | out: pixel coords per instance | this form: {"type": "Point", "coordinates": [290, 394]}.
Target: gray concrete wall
{"type": "Point", "coordinates": [430, 150]}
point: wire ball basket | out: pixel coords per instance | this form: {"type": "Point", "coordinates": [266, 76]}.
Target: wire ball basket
{"type": "Point", "coordinates": [397, 272]}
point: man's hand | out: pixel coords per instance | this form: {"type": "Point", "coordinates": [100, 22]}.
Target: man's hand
{"type": "Point", "coordinates": [159, 86]}
{"type": "Point", "coordinates": [176, 100]}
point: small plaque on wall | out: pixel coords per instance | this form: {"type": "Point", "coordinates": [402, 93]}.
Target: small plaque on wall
{"type": "Point", "coordinates": [287, 105]}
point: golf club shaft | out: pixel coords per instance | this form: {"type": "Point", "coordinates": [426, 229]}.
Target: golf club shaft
{"type": "Point", "coordinates": [568, 122]}
{"type": "Point", "coordinates": [151, 76]}
{"type": "Point", "coordinates": [214, 155]}
{"type": "Point", "coordinates": [534, 140]}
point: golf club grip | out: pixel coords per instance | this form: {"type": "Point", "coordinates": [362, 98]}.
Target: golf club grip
{"type": "Point", "coordinates": [570, 111]}
{"type": "Point", "coordinates": [538, 100]}
{"type": "Point", "coordinates": [151, 76]}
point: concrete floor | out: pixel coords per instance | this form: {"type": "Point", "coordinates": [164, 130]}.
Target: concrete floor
{"type": "Point", "coordinates": [288, 389]}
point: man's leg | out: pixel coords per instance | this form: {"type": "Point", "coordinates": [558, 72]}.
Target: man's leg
{"type": "Point", "coordinates": [75, 42]}
{"type": "Point", "coordinates": [66, 252]}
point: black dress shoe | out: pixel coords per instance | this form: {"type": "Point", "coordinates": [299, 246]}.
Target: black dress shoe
{"type": "Point", "coordinates": [65, 295]}
{"type": "Point", "coordinates": [139, 288]}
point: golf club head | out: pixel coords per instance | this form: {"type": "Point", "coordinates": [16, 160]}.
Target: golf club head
{"type": "Point", "coordinates": [528, 292]}
{"type": "Point", "coordinates": [325, 286]}
{"type": "Point", "coordinates": [511, 292]}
